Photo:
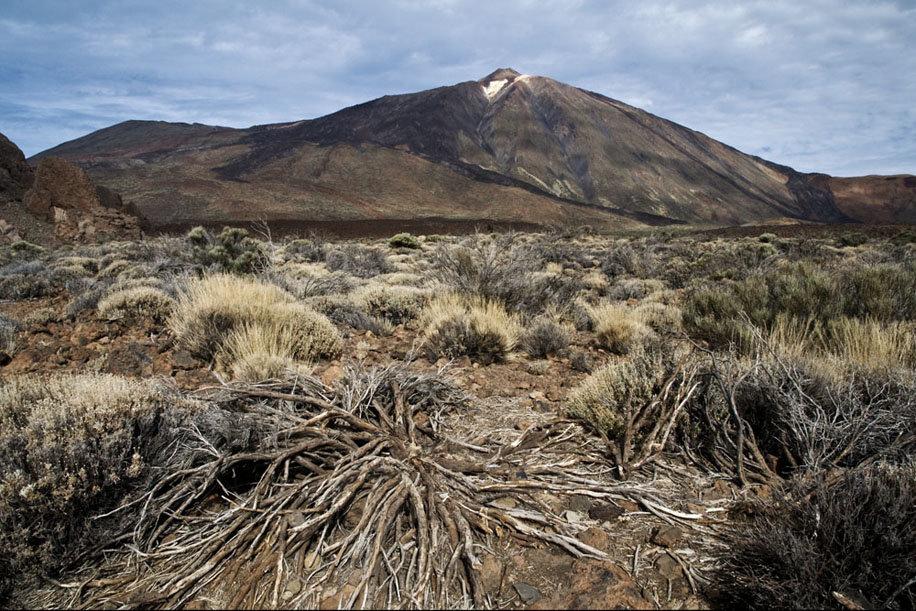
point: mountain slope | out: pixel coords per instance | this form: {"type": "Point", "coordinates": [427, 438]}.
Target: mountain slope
{"type": "Point", "coordinates": [507, 147]}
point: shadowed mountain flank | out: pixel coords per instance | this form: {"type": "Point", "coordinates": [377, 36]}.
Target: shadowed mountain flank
{"type": "Point", "coordinates": [509, 147]}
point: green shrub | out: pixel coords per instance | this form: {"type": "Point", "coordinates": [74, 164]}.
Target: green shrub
{"type": "Point", "coordinates": [312, 249]}
{"type": "Point", "coordinates": [233, 250]}
{"type": "Point", "coordinates": [403, 240]}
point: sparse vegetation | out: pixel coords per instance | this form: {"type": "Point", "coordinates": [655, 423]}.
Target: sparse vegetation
{"type": "Point", "coordinates": [756, 391]}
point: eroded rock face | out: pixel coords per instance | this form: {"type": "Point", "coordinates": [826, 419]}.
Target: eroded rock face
{"type": "Point", "coordinates": [16, 175]}
{"type": "Point", "coordinates": [81, 211]}
{"type": "Point", "coordinates": [60, 184]}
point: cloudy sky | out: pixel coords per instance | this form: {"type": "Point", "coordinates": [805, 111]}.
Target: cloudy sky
{"type": "Point", "coordinates": [821, 85]}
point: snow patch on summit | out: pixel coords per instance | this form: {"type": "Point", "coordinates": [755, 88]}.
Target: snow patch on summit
{"type": "Point", "coordinates": [493, 88]}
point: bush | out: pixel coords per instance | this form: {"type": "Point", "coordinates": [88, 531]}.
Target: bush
{"type": "Point", "coordinates": [504, 271]}
{"type": "Point", "coordinates": [546, 336]}
{"type": "Point", "coordinates": [213, 307]}
{"type": "Point", "coordinates": [395, 304]}
{"type": "Point", "coordinates": [361, 261]}
{"type": "Point", "coordinates": [137, 301]}
{"type": "Point", "coordinates": [342, 311]}
{"type": "Point", "coordinates": [16, 287]}
{"type": "Point", "coordinates": [403, 240]}
{"type": "Point", "coordinates": [800, 290]}
{"type": "Point", "coordinates": [856, 538]}
{"type": "Point", "coordinates": [852, 238]}
{"type": "Point", "coordinates": [312, 249]}
{"type": "Point", "coordinates": [233, 250]}
{"type": "Point", "coordinates": [481, 329]}
{"type": "Point", "coordinates": [69, 449]}
{"type": "Point", "coordinates": [606, 397]}
{"type": "Point", "coordinates": [9, 331]}
{"type": "Point", "coordinates": [305, 283]}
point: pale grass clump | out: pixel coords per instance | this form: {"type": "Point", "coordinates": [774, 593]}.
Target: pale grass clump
{"type": "Point", "coordinates": [458, 325]}
{"type": "Point", "coordinates": [660, 317]}
{"type": "Point", "coordinates": [211, 308]}
{"type": "Point", "coordinates": [618, 328]}
{"type": "Point", "coordinates": [844, 342]}
{"type": "Point", "coordinates": [140, 300]}
{"type": "Point", "coordinates": [256, 352]}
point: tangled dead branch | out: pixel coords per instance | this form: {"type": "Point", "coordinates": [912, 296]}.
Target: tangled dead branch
{"type": "Point", "coordinates": [355, 493]}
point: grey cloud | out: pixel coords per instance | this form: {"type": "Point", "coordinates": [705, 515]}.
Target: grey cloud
{"type": "Point", "coordinates": [821, 86]}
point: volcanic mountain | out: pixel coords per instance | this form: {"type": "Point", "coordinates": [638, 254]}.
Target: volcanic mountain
{"type": "Point", "coordinates": [509, 147]}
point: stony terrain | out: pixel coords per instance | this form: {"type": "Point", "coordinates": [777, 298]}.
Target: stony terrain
{"type": "Point", "coordinates": [564, 522]}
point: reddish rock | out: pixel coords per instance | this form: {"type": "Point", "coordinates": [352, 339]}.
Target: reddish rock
{"type": "Point", "coordinates": [16, 174]}
{"type": "Point", "coordinates": [595, 584]}
{"type": "Point", "coordinates": [80, 211]}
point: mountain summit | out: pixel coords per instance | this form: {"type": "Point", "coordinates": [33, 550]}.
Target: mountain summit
{"type": "Point", "coordinates": [506, 147]}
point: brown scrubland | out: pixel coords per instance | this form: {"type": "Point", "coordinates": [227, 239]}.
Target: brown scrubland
{"type": "Point", "coordinates": [567, 419]}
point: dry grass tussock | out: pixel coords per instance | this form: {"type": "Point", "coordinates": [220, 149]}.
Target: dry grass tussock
{"type": "Point", "coordinates": [458, 325]}
{"type": "Point", "coordinates": [214, 307]}
{"type": "Point", "coordinates": [618, 328]}
{"type": "Point", "coordinates": [845, 342]}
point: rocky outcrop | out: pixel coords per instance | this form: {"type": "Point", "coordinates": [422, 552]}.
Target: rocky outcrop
{"type": "Point", "coordinates": [16, 174]}
{"type": "Point", "coordinates": [58, 200]}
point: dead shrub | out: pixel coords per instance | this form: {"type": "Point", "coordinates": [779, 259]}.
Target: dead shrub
{"type": "Point", "coordinates": [855, 539]}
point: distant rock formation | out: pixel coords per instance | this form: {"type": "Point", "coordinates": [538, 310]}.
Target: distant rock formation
{"type": "Point", "coordinates": [62, 198]}
{"type": "Point", "coordinates": [16, 175]}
